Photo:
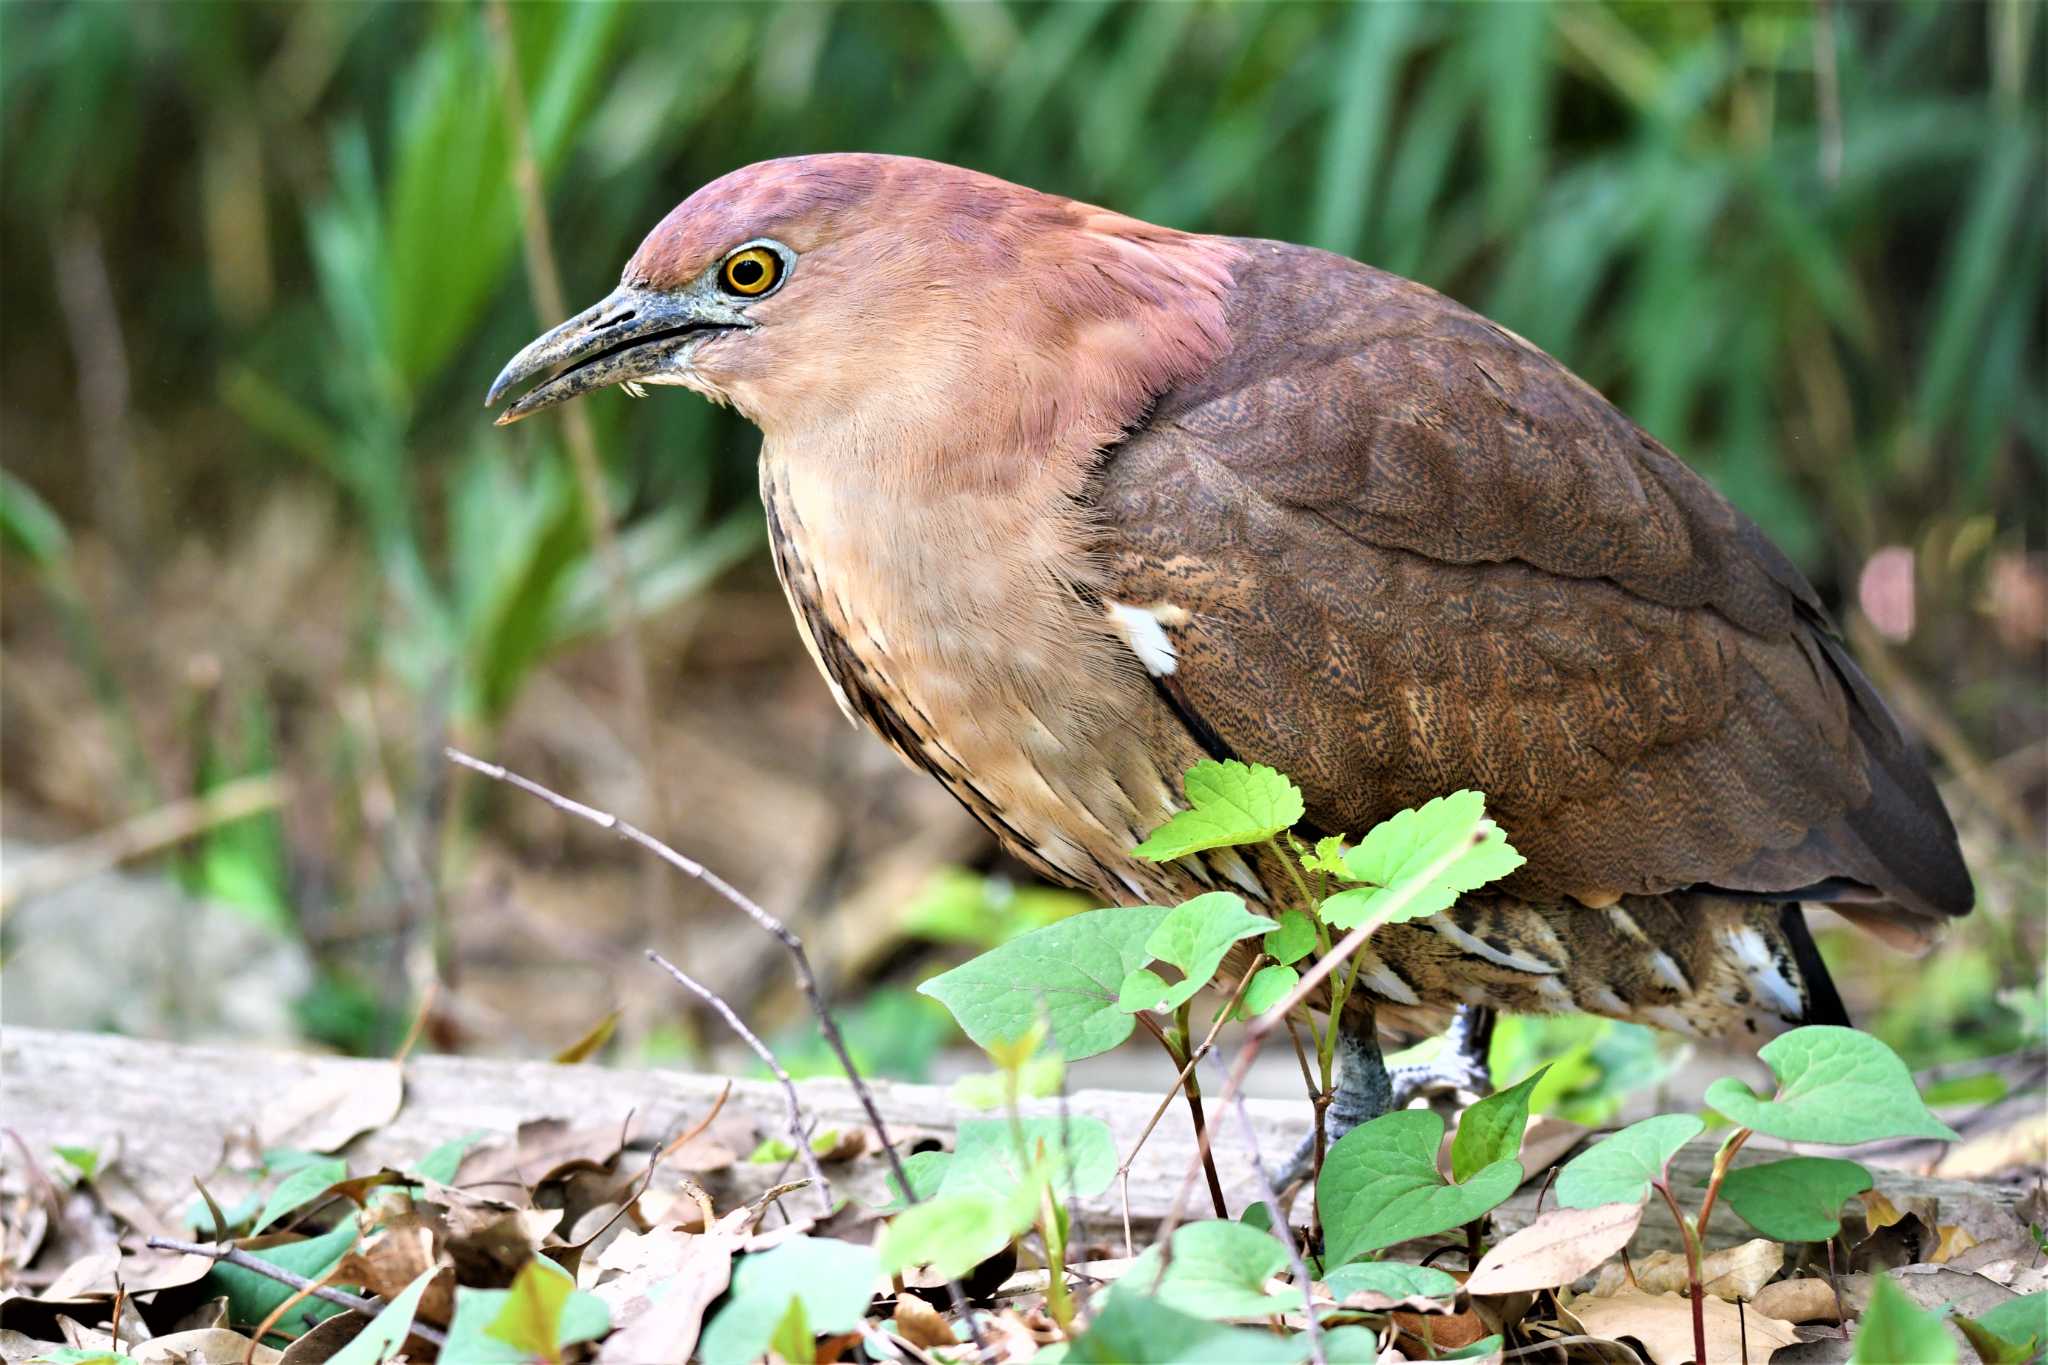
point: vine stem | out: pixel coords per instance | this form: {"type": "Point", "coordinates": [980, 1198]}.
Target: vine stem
{"type": "Point", "coordinates": [1723, 1160]}
{"type": "Point", "coordinates": [1691, 1237]}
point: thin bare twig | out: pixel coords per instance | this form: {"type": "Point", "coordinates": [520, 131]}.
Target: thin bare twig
{"type": "Point", "coordinates": [234, 1255]}
{"type": "Point", "coordinates": [807, 979]}
{"type": "Point", "coordinates": [798, 1134]}
{"type": "Point", "coordinates": [1281, 1230]}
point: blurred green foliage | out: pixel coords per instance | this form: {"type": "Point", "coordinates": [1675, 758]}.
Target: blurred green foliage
{"type": "Point", "coordinates": [1802, 243]}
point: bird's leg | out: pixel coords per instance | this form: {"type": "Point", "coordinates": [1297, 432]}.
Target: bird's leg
{"type": "Point", "coordinates": [1459, 1066]}
{"type": "Point", "coordinates": [1362, 1093]}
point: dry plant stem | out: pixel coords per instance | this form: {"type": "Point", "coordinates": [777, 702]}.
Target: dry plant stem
{"type": "Point", "coordinates": [806, 978]}
{"type": "Point", "coordinates": [151, 832]}
{"type": "Point", "coordinates": [800, 1138]}
{"type": "Point", "coordinates": [1282, 1231]}
{"type": "Point", "coordinates": [544, 279]}
{"type": "Point", "coordinates": [1692, 1271]}
{"type": "Point", "coordinates": [276, 1314]}
{"type": "Point", "coordinates": [1255, 1034]}
{"type": "Point", "coordinates": [1166, 1101]}
{"type": "Point", "coordinates": [233, 1255]}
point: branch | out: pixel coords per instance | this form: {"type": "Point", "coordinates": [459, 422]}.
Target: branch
{"type": "Point", "coordinates": [234, 1255]}
{"type": "Point", "coordinates": [797, 1133]}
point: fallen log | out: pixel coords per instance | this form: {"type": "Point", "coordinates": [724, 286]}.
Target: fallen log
{"type": "Point", "coordinates": [173, 1109]}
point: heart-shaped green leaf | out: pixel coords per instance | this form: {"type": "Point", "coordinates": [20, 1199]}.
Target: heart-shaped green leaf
{"type": "Point", "coordinates": [1292, 940]}
{"type": "Point", "coordinates": [1072, 971]}
{"type": "Point", "coordinates": [1218, 1270]}
{"type": "Point", "coordinates": [833, 1280]}
{"type": "Point", "coordinates": [1393, 1281]}
{"type": "Point", "coordinates": [1269, 987]}
{"type": "Point", "coordinates": [1231, 803]}
{"type": "Point", "coordinates": [1798, 1199]}
{"type": "Point", "coordinates": [1620, 1169]}
{"type": "Point", "coordinates": [1194, 937]}
{"type": "Point", "coordinates": [1380, 1186]}
{"type": "Point", "coordinates": [1491, 1130]}
{"type": "Point", "coordinates": [1834, 1085]}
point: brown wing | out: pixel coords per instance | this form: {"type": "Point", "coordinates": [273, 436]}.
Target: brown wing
{"type": "Point", "coordinates": [1418, 554]}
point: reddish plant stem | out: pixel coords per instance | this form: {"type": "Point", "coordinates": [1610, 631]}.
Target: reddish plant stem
{"type": "Point", "coordinates": [1692, 1271]}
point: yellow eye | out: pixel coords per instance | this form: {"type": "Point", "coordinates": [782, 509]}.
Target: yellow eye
{"type": "Point", "coordinates": [750, 273]}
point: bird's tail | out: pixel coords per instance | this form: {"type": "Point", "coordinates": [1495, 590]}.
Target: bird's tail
{"type": "Point", "coordinates": [1823, 1001]}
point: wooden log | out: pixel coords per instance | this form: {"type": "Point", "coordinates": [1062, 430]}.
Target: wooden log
{"type": "Point", "coordinates": [172, 1108]}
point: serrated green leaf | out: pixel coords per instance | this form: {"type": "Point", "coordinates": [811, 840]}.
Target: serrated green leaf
{"type": "Point", "coordinates": [1293, 940]}
{"type": "Point", "coordinates": [1798, 1199]}
{"type": "Point", "coordinates": [1072, 971]}
{"type": "Point", "coordinates": [1380, 1186]}
{"type": "Point", "coordinates": [1835, 1085]}
{"type": "Point", "coordinates": [1393, 1279]}
{"type": "Point", "coordinates": [301, 1188]}
{"type": "Point", "coordinates": [833, 1280]}
{"type": "Point", "coordinates": [1195, 936]}
{"type": "Point", "coordinates": [1218, 1271]}
{"type": "Point", "coordinates": [384, 1334]}
{"type": "Point", "coordinates": [1492, 1129]}
{"type": "Point", "coordinates": [1402, 849]}
{"type": "Point", "coordinates": [1895, 1330]}
{"type": "Point", "coordinates": [1620, 1168]}
{"type": "Point", "coordinates": [1230, 803]}
{"type": "Point", "coordinates": [1327, 856]}
{"type": "Point", "coordinates": [1269, 986]}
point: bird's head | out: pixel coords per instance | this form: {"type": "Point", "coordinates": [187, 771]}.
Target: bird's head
{"type": "Point", "coordinates": [860, 292]}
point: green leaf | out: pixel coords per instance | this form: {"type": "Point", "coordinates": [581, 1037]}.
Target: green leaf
{"type": "Point", "coordinates": [1477, 1350]}
{"type": "Point", "coordinates": [1218, 1270]}
{"type": "Point", "coordinates": [384, 1334]}
{"type": "Point", "coordinates": [1294, 938]}
{"type": "Point", "coordinates": [73, 1355]}
{"type": "Point", "coordinates": [584, 1317]}
{"type": "Point", "coordinates": [1402, 849]}
{"type": "Point", "coordinates": [1269, 987]}
{"type": "Point", "coordinates": [2021, 1323]}
{"type": "Point", "coordinates": [1491, 1130]}
{"type": "Point", "coordinates": [1380, 1186]}
{"type": "Point", "coordinates": [1834, 1085]}
{"type": "Point", "coordinates": [1895, 1330]}
{"type": "Point", "coordinates": [1327, 856]}
{"type": "Point", "coordinates": [1079, 1162]}
{"type": "Point", "coordinates": [1232, 803]}
{"type": "Point", "coordinates": [441, 1164]}
{"type": "Point", "coordinates": [953, 1232]}
{"type": "Point", "coordinates": [927, 1172]}
{"type": "Point", "coordinates": [793, 1338]}
{"type": "Point", "coordinates": [253, 1297]}
{"type": "Point", "coordinates": [1036, 1079]}
{"type": "Point", "coordinates": [1194, 936]}
{"type": "Point", "coordinates": [301, 1188]}
{"type": "Point", "coordinates": [28, 526]}
{"type": "Point", "coordinates": [833, 1280]}
{"type": "Point", "coordinates": [1393, 1279]}
{"type": "Point", "coordinates": [530, 1319]}
{"type": "Point", "coordinates": [1621, 1168]}
{"type": "Point", "coordinates": [1071, 971]}
{"type": "Point", "coordinates": [84, 1160]}
{"type": "Point", "coordinates": [1131, 1329]}
{"type": "Point", "coordinates": [1798, 1199]}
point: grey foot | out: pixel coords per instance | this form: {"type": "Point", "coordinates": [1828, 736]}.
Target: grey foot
{"type": "Point", "coordinates": [1366, 1089]}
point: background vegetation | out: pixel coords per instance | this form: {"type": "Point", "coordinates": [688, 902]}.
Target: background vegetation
{"type": "Point", "coordinates": [261, 260]}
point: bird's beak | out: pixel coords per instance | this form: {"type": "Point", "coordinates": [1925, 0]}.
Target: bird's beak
{"type": "Point", "coordinates": [629, 334]}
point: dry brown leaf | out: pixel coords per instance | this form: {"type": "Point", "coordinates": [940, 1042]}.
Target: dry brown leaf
{"type": "Point", "coordinates": [1954, 1241]}
{"type": "Point", "coordinates": [1663, 1324]}
{"type": "Point", "coordinates": [1881, 1210]}
{"type": "Point", "coordinates": [1555, 1249]}
{"type": "Point", "coordinates": [923, 1325]}
{"type": "Point", "coordinates": [206, 1346]}
{"type": "Point", "coordinates": [1547, 1140]}
{"type": "Point", "coordinates": [549, 1149]}
{"type": "Point", "coordinates": [87, 1275]}
{"type": "Point", "coordinates": [2014, 1147]}
{"type": "Point", "coordinates": [321, 1344]}
{"type": "Point", "coordinates": [333, 1105]}
{"type": "Point", "coordinates": [18, 1348]}
{"type": "Point", "coordinates": [667, 1329]}
{"type": "Point", "coordinates": [583, 1048]}
{"type": "Point", "coordinates": [2000, 1259]}
{"type": "Point", "coordinates": [392, 1259]}
{"type": "Point", "coordinates": [1931, 1286]}
{"type": "Point", "coordinates": [1738, 1272]}
{"type": "Point", "coordinates": [1801, 1300]}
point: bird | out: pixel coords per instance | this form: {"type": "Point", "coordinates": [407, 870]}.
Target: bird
{"type": "Point", "coordinates": [1065, 502]}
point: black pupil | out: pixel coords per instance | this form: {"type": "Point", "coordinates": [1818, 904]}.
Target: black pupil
{"type": "Point", "coordinates": [748, 273]}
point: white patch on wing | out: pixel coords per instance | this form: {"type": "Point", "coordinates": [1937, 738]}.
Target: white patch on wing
{"type": "Point", "coordinates": [1146, 637]}
{"type": "Point", "coordinates": [1479, 948]}
{"type": "Point", "coordinates": [1233, 866]}
{"type": "Point", "coordinates": [1375, 977]}
{"type": "Point", "coordinates": [1763, 970]}
{"type": "Point", "coordinates": [1665, 969]}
